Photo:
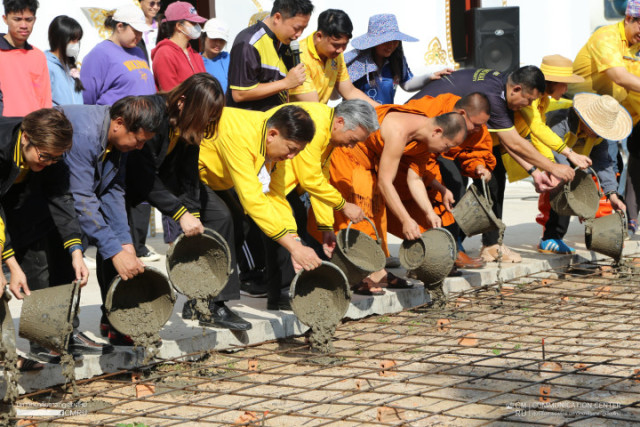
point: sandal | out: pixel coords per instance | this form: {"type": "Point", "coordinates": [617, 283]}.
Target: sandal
{"type": "Point", "coordinates": [365, 288]}
{"type": "Point", "coordinates": [25, 365]}
{"type": "Point", "coordinates": [395, 282]}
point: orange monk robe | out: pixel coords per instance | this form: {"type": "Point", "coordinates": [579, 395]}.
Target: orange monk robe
{"type": "Point", "coordinates": [475, 150]}
{"type": "Point", "coordinates": [354, 173]}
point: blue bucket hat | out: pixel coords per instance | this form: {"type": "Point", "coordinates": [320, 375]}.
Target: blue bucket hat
{"type": "Point", "coordinates": [382, 28]}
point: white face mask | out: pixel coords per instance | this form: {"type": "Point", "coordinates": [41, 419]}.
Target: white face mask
{"type": "Point", "coordinates": [193, 31]}
{"type": "Point", "coordinates": [73, 49]}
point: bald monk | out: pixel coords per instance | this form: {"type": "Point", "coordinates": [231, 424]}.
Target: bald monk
{"type": "Point", "coordinates": [365, 174]}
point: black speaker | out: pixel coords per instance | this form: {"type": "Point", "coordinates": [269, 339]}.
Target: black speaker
{"type": "Point", "coordinates": [494, 38]}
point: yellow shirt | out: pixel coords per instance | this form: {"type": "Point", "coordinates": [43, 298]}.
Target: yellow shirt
{"type": "Point", "coordinates": [310, 168]}
{"type": "Point", "coordinates": [234, 157]}
{"type": "Point", "coordinates": [321, 76]}
{"type": "Point", "coordinates": [606, 48]}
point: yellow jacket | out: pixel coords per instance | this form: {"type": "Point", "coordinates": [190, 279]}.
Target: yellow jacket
{"type": "Point", "coordinates": [310, 168]}
{"type": "Point", "coordinates": [234, 157]}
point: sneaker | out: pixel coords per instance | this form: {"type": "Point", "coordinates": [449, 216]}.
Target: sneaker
{"type": "Point", "coordinates": [555, 246]}
{"type": "Point", "coordinates": [150, 256]}
{"type": "Point", "coordinates": [490, 254]}
{"type": "Point", "coordinates": [632, 226]}
{"type": "Point", "coordinates": [80, 343]}
{"type": "Point", "coordinates": [253, 289]}
{"type": "Point", "coordinates": [104, 326]}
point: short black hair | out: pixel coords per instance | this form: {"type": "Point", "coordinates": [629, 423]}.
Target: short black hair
{"type": "Point", "coordinates": [474, 103]}
{"type": "Point", "coordinates": [290, 8]}
{"type": "Point", "coordinates": [452, 124]}
{"type": "Point", "coordinates": [293, 123]}
{"type": "Point", "coordinates": [14, 6]}
{"type": "Point", "coordinates": [529, 77]}
{"type": "Point", "coordinates": [335, 23]}
{"type": "Point", "coordinates": [140, 112]}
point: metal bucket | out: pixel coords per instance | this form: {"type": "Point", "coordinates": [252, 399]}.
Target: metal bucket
{"type": "Point", "coordinates": [473, 212]}
{"type": "Point", "coordinates": [357, 254]}
{"type": "Point", "coordinates": [606, 234]}
{"type": "Point", "coordinates": [320, 295]}
{"type": "Point", "coordinates": [431, 257]}
{"type": "Point", "coordinates": [8, 346]}
{"type": "Point", "coordinates": [141, 305]}
{"type": "Point", "coordinates": [579, 197]}
{"type": "Point", "coordinates": [47, 316]}
{"type": "Point", "coordinates": [199, 266]}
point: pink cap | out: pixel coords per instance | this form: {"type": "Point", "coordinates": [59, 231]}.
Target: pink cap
{"type": "Point", "coordinates": [183, 11]}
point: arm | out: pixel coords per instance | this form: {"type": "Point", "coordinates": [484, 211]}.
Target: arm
{"type": "Point", "coordinates": [622, 77]}
{"type": "Point", "coordinates": [92, 77]}
{"type": "Point", "coordinates": [419, 193]}
{"type": "Point", "coordinates": [395, 134]}
{"type": "Point", "coordinates": [165, 70]}
{"type": "Point", "coordinates": [43, 85]}
{"type": "Point", "coordinates": [294, 78]}
{"type": "Point", "coordinates": [522, 150]}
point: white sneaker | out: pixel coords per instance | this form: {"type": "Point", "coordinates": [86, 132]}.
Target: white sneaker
{"type": "Point", "coordinates": [150, 256]}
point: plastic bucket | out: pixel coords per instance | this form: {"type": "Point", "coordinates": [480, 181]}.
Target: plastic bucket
{"type": "Point", "coordinates": [579, 197]}
{"type": "Point", "coordinates": [141, 305]}
{"type": "Point", "coordinates": [320, 295]}
{"type": "Point", "coordinates": [8, 337]}
{"type": "Point", "coordinates": [473, 212]}
{"type": "Point", "coordinates": [47, 316]}
{"type": "Point", "coordinates": [357, 254]}
{"type": "Point", "coordinates": [606, 234]}
{"type": "Point", "coordinates": [199, 266]}
{"type": "Point", "coordinates": [431, 257]}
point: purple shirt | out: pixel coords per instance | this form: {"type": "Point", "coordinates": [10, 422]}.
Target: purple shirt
{"type": "Point", "coordinates": [110, 72]}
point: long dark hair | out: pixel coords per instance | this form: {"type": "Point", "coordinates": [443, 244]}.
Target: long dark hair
{"type": "Point", "coordinates": [396, 63]}
{"type": "Point", "coordinates": [62, 30]}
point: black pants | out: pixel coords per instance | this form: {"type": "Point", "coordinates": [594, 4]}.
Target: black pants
{"type": "Point", "coordinates": [496, 187]}
{"type": "Point", "coordinates": [456, 183]}
{"type": "Point", "coordinates": [221, 211]}
{"type": "Point", "coordinates": [300, 213]}
{"type": "Point", "coordinates": [633, 171]}
{"type": "Point", "coordinates": [557, 225]}
{"type": "Point", "coordinates": [138, 217]}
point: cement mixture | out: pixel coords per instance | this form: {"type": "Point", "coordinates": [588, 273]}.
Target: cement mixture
{"type": "Point", "coordinates": [200, 276]}
{"type": "Point", "coordinates": [320, 301]}
{"type": "Point", "coordinates": [362, 249]}
{"type": "Point", "coordinates": [11, 375]}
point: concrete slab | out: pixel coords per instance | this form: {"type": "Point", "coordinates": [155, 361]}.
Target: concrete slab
{"type": "Point", "coordinates": [186, 338]}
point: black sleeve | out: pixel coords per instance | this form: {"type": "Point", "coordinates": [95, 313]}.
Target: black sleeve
{"type": "Point", "coordinates": [61, 204]}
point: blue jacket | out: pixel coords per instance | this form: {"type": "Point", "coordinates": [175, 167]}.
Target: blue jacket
{"type": "Point", "coordinates": [97, 179]}
{"type": "Point", "coordinates": [63, 90]}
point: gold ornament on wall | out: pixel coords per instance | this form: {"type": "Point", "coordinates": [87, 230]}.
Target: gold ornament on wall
{"type": "Point", "coordinates": [435, 54]}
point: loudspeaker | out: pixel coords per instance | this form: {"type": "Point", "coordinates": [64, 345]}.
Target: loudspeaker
{"type": "Point", "coordinates": [494, 38]}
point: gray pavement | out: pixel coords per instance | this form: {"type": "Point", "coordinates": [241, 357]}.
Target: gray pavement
{"type": "Point", "coordinates": [184, 337]}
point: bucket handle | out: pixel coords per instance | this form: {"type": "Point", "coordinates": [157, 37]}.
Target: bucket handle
{"type": "Point", "coordinates": [485, 190]}
{"type": "Point", "coordinates": [346, 248]}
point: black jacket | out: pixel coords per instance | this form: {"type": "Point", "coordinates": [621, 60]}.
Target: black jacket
{"type": "Point", "coordinates": [41, 201]}
{"type": "Point", "coordinates": [169, 182]}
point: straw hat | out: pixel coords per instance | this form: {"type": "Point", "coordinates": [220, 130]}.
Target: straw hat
{"type": "Point", "coordinates": [604, 115]}
{"type": "Point", "coordinates": [557, 68]}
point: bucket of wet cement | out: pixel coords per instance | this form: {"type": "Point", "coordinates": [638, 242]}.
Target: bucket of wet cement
{"type": "Point", "coordinates": [199, 266]}
{"type": "Point", "coordinates": [8, 346]}
{"type": "Point", "coordinates": [431, 257]}
{"type": "Point", "coordinates": [605, 235]}
{"type": "Point", "coordinates": [473, 212]}
{"type": "Point", "coordinates": [142, 305]}
{"type": "Point", "coordinates": [47, 316]}
{"type": "Point", "coordinates": [579, 197]}
{"type": "Point", "coordinates": [320, 298]}
{"type": "Point", "coordinates": [357, 254]}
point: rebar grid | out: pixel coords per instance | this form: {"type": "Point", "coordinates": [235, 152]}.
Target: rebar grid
{"type": "Point", "coordinates": [417, 367]}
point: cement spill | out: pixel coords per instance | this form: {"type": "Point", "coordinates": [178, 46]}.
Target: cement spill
{"type": "Point", "coordinates": [320, 300]}
{"type": "Point", "coordinates": [11, 375]}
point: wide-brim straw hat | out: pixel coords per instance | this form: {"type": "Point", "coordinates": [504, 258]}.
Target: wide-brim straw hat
{"type": "Point", "coordinates": [382, 28]}
{"type": "Point", "coordinates": [557, 68]}
{"type": "Point", "coordinates": [604, 115]}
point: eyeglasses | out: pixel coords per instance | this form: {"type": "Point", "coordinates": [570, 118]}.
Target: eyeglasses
{"type": "Point", "coordinates": [155, 3]}
{"type": "Point", "coordinates": [47, 158]}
